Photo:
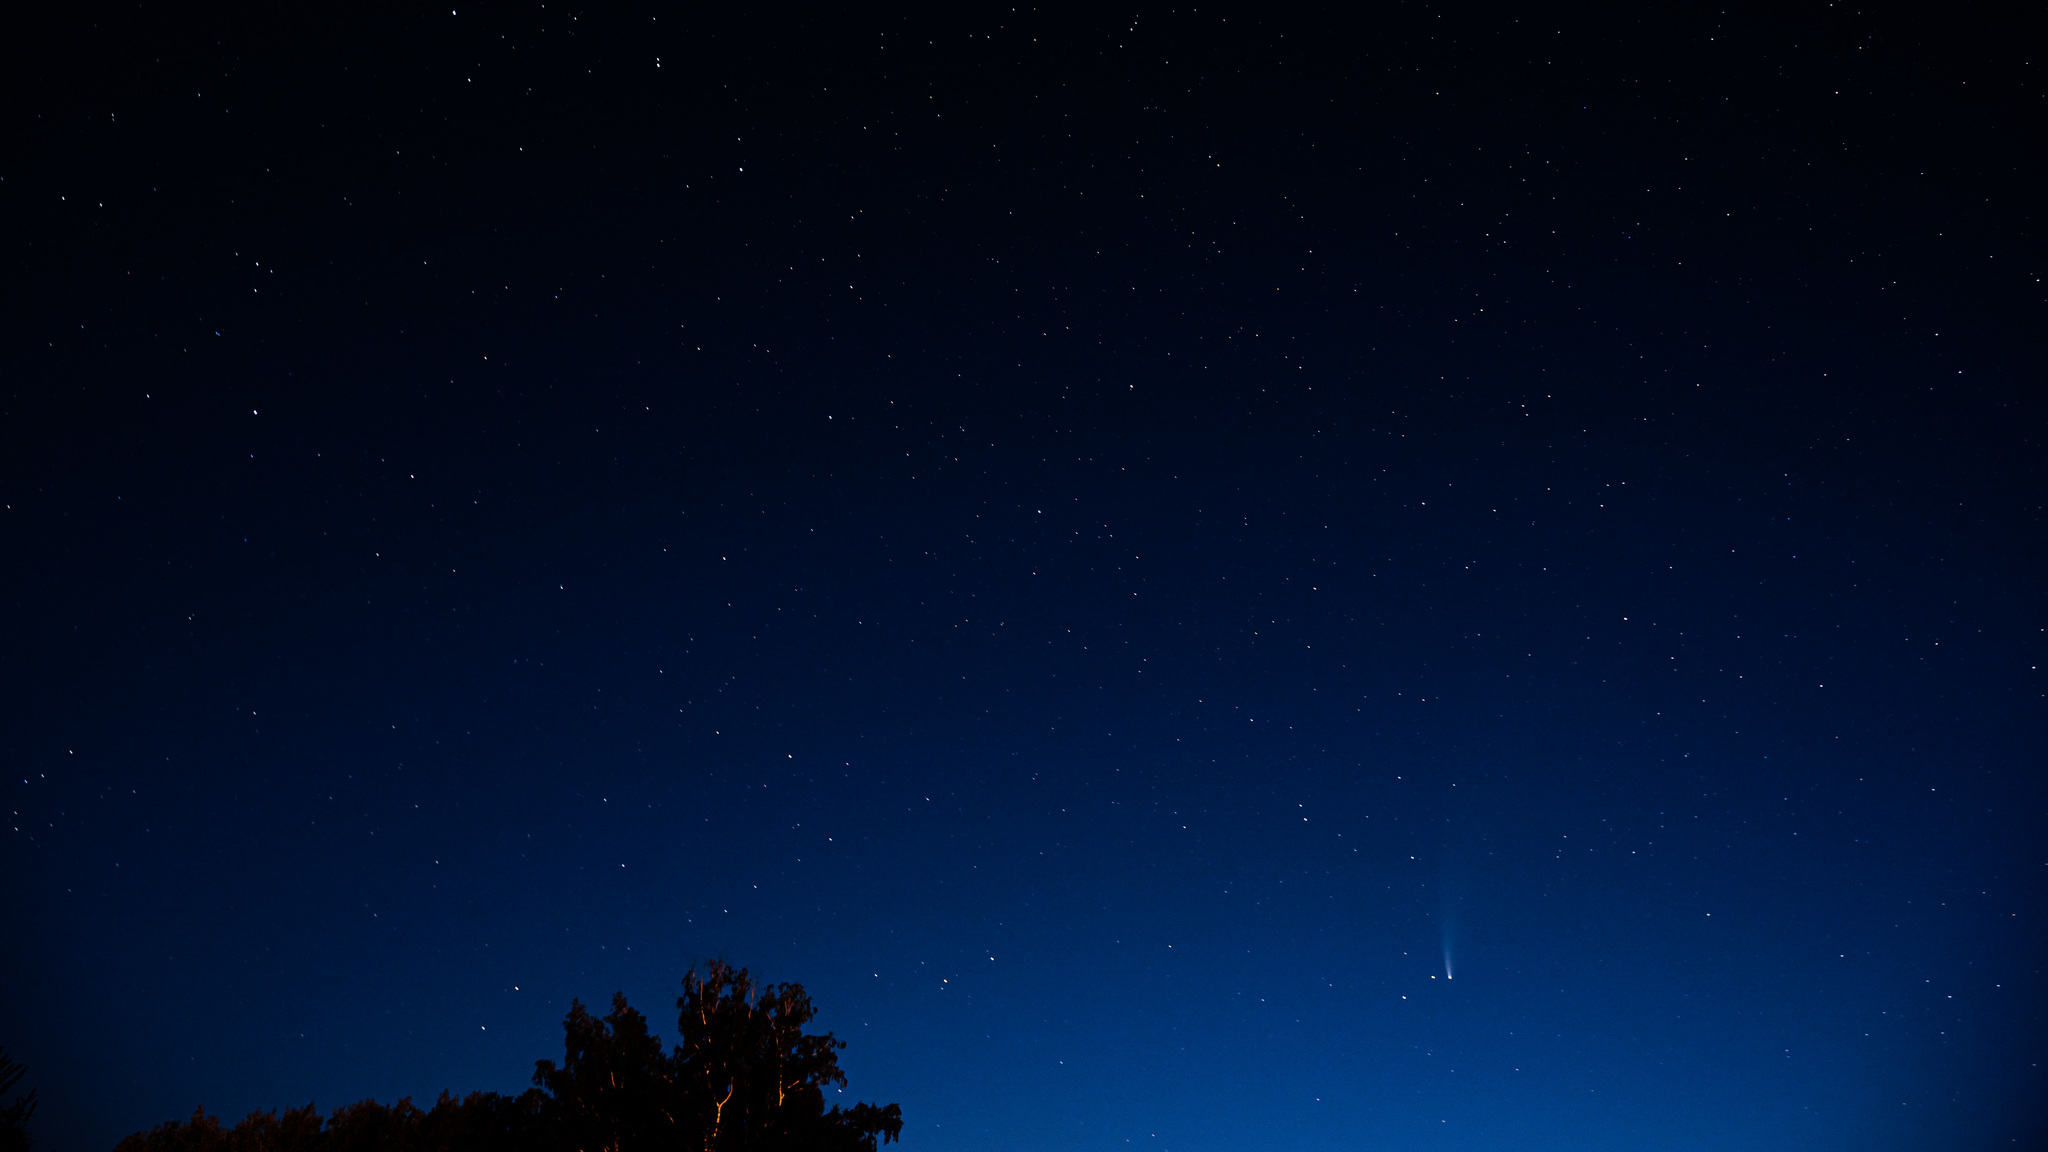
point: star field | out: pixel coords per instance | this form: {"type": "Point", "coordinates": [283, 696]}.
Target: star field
{"type": "Point", "coordinates": [1444, 580]}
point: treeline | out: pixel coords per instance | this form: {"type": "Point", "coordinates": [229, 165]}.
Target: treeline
{"type": "Point", "coordinates": [744, 1078]}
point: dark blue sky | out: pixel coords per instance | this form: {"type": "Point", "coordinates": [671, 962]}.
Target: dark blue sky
{"type": "Point", "coordinates": [1121, 554]}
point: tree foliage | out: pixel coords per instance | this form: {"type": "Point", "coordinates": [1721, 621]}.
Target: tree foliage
{"type": "Point", "coordinates": [745, 1077]}
{"type": "Point", "coordinates": [14, 1115]}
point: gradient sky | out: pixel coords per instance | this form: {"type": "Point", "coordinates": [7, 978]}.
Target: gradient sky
{"type": "Point", "coordinates": [1121, 554]}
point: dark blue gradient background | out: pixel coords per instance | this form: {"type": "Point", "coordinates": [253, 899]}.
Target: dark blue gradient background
{"type": "Point", "coordinates": [1104, 548]}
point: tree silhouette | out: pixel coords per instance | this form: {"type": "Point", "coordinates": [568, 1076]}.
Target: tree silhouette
{"type": "Point", "coordinates": [15, 1115]}
{"type": "Point", "coordinates": [745, 1077]}
{"type": "Point", "coordinates": [614, 1089]}
{"type": "Point", "coordinates": [751, 1078]}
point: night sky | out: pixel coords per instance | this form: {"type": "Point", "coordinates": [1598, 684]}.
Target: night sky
{"type": "Point", "coordinates": [1433, 579]}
